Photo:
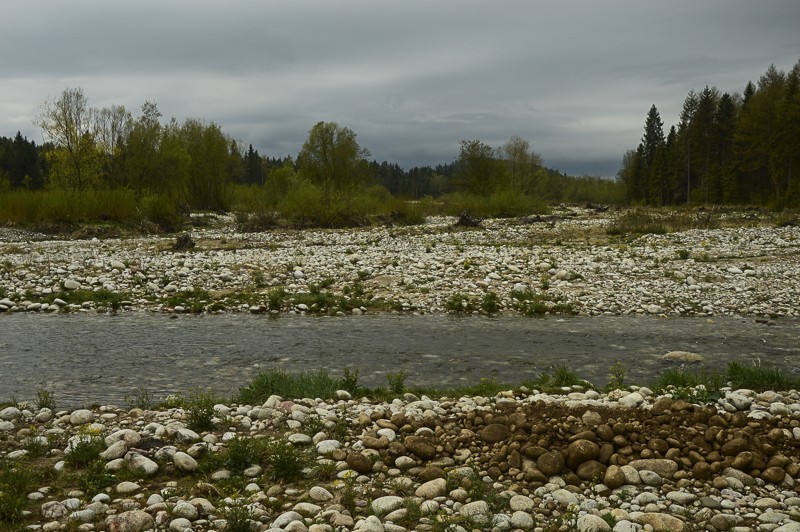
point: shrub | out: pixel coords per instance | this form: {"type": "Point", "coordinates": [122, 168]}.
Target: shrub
{"type": "Point", "coordinates": [560, 377]}
{"type": "Point", "coordinates": [489, 303]}
{"type": "Point", "coordinates": [45, 399]}
{"type": "Point", "coordinates": [616, 380]}
{"type": "Point", "coordinates": [242, 453]}
{"type": "Point", "coordinates": [285, 460]}
{"type": "Point", "coordinates": [163, 212]}
{"type": "Point", "coordinates": [84, 449]}
{"type": "Point", "coordinates": [96, 478]}
{"type": "Point", "coordinates": [199, 407]}
{"type": "Point", "coordinates": [141, 399]}
{"type": "Point", "coordinates": [238, 516]}
{"type": "Point", "coordinates": [459, 303]}
{"type": "Point", "coordinates": [349, 381]}
{"type": "Point", "coordinates": [15, 484]}
{"type": "Point", "coordinates": [275, 298]}
{"type": "Point", "coordinates": [397, 382]}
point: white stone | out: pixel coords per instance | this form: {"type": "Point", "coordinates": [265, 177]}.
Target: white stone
{"type": "Point", "coordinates": [564, 497]}
{"type": "Point", "coordinates": [592, 523]}
{"type": "Point", "coordinates": [476, 512]}
{"type": "Point", "coordinates": [389, 503]}
{"type": "Point", "coordinates": [116, 450]}
{"type": "Point", "coordinates": [181, 524]}
{"type": "Point", "coordinates": [319, 494]}
{"type": "Point", "coordinates": [327, 446]}
{"type": "Point", "coordinates": [431, 489]}
{"type": "Point", "coordinates": [10, 413]}
{"type": "Point", "coordinates": [370, 524]}
{"type": "Point", "coordinates": [632, 400]}
{"type": "Point", "coordinates": [307, 509]}
{"type": "Point", "coordinates": [141, 464]}
{"type": "Point", "coordinates": [522, 520]}
{"type": "Point", "coordinates": [183, 462]}
{"type": "Point", "coordinates": [126, 487]}
{"type": "Point", "coordinates": [521, 503]}
{"type": "Point", "coordinates": [81, 417]}
{"type": "Point", "coordinates": [186, 510]}
{"type": "Point", "coordinates": [285, 518]}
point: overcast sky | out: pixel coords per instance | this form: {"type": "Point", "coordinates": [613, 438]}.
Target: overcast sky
{"type": "Point", "coordinates": [411, 78]}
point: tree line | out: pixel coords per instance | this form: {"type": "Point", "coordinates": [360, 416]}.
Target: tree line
{"type": "Point", "coordinates": [726, 148]}
{"type": "Point", "coordinates": [195, 165]}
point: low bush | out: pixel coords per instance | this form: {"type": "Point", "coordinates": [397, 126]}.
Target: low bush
{"type": "Point", "coordinates": [199, 406]}
{"type": "Point", "coordinates": [84, 450]}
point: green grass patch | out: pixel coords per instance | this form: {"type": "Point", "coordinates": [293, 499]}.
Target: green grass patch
{"type": "Point", "coordinates": [530, 303]}
{"type": "Point", "coordinates": [759, 378]}
{"type": "Point", "coordinates": [194, 300]}
{"type": "Point", "coordinates": [16, 481]}
{"type": "Point", "coordinates": [278, 381]}
{"type": "Point", "coordinates": [559, 377]}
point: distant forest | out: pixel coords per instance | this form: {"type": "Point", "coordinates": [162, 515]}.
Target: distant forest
{"type": "Point", "coordinates": [144, 155]}
{"type": "Point", "coordinates": [726, 148]}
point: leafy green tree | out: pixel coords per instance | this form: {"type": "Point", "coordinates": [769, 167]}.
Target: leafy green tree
{"type": "Point", "coordinates": [76, 163]}
{"type": "Point", "coordinates": [208, 178]}
{"type": "Point", "coordinates": [141, 153]}
{"type": "Point", "coordinates": [112, 127]}
{"type": "Point", "coordinates": [480, 172]}
{"type": "Point", "coordinates": [522, 165]}
{"type": "Point", "coordinates": [332, 160]}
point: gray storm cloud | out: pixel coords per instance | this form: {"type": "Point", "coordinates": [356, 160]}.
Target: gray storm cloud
{"type": "Point", "coordinates": [410, 78]}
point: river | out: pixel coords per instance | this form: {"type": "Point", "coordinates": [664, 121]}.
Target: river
{"type": "Point", "coordinates": [86, 359]}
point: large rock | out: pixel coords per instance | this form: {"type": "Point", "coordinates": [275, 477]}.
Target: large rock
{"type": "Point", "coordinates": [614, 477]}
{"type": "Point", "coordinates": [592, 523]}
{"type": "Point", "coordinates": [476, 512]}
{"type": "Point", "coordinates": [132, 521]}
{"type": "Point", "coordinates": [661, 466]}
{"type": "Point", "coordinates": [661, 522]}
{"type": "Point", "coordinates": [683, 356]}
{"type": "Point", "coordinates": [183, 462]}
{"type": "Point", "coordinates": [185, 510]}
{"type": "Point", "coordinates": [71, 284]}
{"type": "Point", "coordinates": [550, 463]}
{"type": "Point", "coordinates": [495, 432]}
{"type": "Point", "coordinates": [773, 475]}
{"type": "Point", "coordinates": [54, 510]}
{"type": "Point", "coordinates": [10, 413]}
{"type": "Point", "coordinates": [129, 436]}
{"type": "Point", "coordinates": [433, 488]}
{"type": "Point", "coordinates": [735, 446]}
{"type": "Point", "coordinates": [141, 465]}
{"type": "Point", "coordinates": [359, 463]}
{"type": "Point", "coordinates": [384, 505]}
{"type": "Point", "coordinates": [591, 470]}
{"type": "Point", "coordinates": [581, 451]}
{"type": "Point", "coordinates": [81, 417]}
{"type": "Point", "coordinates": [420, 447]}
{"type": "Point", "coordinates": [116, 450]}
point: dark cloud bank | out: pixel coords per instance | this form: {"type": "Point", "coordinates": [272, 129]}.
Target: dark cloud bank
{"type": "Point", "coordinates": [410, 78]}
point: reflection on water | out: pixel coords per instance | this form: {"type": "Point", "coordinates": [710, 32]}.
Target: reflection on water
{"type": "Point", "coordinates": [101, 359]}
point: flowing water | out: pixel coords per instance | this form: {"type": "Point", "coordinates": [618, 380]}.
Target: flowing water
{"type": "Point", "coordinates": [102, 359]}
